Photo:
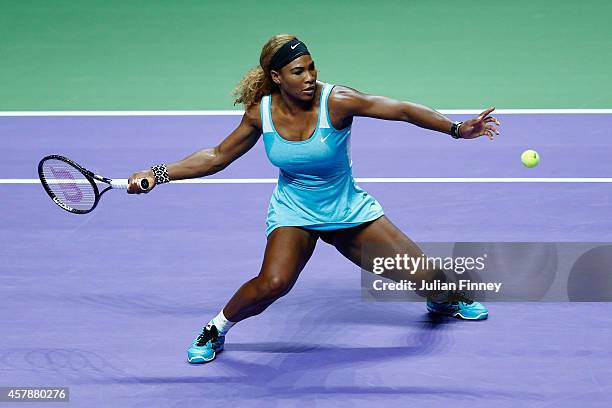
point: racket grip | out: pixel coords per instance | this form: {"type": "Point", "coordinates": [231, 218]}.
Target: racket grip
{"type": "Point", "coordinates": [119, 183]}
{"type": "Point", "coordinates": [123, 184]}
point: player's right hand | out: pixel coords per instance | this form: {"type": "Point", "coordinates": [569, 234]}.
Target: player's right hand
{"type": "Point", "coordinates": [134, 182]}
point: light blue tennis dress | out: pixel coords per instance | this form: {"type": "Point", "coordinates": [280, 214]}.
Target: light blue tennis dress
{"type": "Point", "coordinates": [315, 189]}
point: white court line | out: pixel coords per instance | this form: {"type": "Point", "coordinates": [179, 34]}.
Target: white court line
{"type": "Point", "coordinates": [373, 180]}
{"type": "Point", "coordinates": [240, 112]}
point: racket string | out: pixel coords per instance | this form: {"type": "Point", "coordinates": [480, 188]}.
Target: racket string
{"type": "Point", "coordinates": [69, 185]}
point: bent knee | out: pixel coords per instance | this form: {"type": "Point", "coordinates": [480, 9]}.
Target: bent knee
{"type": "Point", "coordinates": [273, 287]}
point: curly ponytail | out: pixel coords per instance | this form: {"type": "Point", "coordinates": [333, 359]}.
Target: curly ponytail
{"type": "Point", "coordinates": [258, 82]}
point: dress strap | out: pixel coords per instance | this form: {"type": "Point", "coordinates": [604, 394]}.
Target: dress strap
{"type": "Point", "coordinates": [266, 121]}
{"type": "Point", "coordinates": [327, 88]}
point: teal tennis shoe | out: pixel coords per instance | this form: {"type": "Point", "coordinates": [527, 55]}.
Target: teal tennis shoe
{"type": "Point", "coordinates": [204, 349]}
{"type": "Point", "coordinates": [462, 308]}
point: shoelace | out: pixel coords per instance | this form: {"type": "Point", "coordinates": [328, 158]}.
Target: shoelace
{"type": "Point", "coordinates": [206, 335]}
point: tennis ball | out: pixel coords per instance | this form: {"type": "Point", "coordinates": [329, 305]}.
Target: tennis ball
{"type": "Point", "coordinates": [530, 158]}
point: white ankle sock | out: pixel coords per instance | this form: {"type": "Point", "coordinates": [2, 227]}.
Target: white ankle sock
{"type": "Point", "coordinates": [221, 323]}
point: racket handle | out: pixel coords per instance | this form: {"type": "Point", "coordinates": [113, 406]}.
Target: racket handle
{"type": "Point", "coordinates": [119, 183]}
{"type": "Point", "coordinates": [123, 184]}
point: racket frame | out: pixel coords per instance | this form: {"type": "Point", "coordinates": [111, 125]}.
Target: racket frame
{"type": "Point", "coordinates": [89, 175]}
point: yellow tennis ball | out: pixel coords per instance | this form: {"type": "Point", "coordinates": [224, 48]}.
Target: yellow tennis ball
{"type": "Point", "coordinates": [530, 158]}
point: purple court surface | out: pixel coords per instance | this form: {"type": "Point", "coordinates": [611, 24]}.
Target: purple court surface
{"type": "Point", "coordinates": [107, 303]}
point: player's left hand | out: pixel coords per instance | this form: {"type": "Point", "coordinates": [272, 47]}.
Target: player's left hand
{"type": "Point", "coordinates": [483, 125]}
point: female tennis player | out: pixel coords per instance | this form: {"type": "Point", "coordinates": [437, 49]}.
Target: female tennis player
{"type": "Point", "coordinates": [306, 126]}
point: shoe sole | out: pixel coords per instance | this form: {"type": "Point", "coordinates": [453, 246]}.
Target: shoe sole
{"type": "Point", "coordinates": [201, 359]}
{"type": "Point", "coordinates": [458, 315]}
{"type": "Point", "coordinates": [482, 316]}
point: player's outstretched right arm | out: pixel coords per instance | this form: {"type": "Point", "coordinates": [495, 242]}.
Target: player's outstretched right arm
{"type": "Point", "coordinates": [211, 160]}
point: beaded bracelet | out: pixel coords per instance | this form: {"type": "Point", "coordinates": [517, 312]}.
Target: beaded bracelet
{"type": "Point", "coordinates": [454, 132]}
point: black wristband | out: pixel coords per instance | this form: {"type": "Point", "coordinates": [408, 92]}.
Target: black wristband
{"type": "Point", "coordinates": [454, 131]}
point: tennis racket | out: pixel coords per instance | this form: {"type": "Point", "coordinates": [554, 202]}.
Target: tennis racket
{"type": "Point", "coordinates": [73, 187]}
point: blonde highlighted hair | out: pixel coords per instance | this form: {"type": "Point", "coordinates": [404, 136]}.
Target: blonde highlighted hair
{"type": "Point", "coordinates": [258, 82]}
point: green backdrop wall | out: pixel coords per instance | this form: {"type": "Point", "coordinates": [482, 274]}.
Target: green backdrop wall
{"type": "Point", "coordinates": [149, 55]}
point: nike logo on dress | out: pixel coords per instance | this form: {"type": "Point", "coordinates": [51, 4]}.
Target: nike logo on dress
{"type": "Point", "coordinates": [323, 139]}
{"type": "Point", "coordinates": [293, 46]}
